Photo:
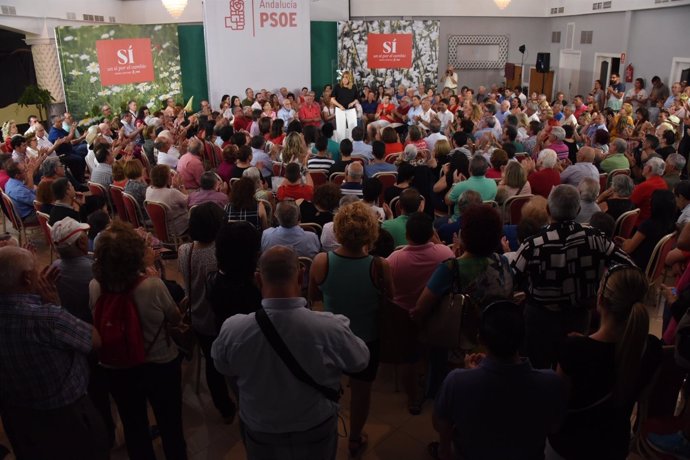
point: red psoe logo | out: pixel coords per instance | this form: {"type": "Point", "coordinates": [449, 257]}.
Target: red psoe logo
{"type": "Point", "coordinates": [236, 20]}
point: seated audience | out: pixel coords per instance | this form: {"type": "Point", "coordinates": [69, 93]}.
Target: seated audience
{"type": "Point", "coordinates": [604, 223]}
{"type": "Point", "coordinates": [244, 206]}
{"type": "Point", "coordinates": [584, 167]}
{"type": "Point", "coordinates": [589, 191]}
{"type": "Point", "coordinates": [136, 184]}
{"type": "Point", "coordinates": [477, 181]}
{"type": "Point", "coordinates": [288, 232]}
{"type": "Point", "coordinates": [647, 235]}
{"type": "Point", "coordinates": [103, 174]}
{"type": "Point", "coordinates": [354, 174]}
{"type": "Point", "coordinates": [544, 175]}
{"type": "Point", "coordinates": [616, 200]}
{"type": "Point", "coordinates": [642, 193]}
{"type": "Point", "coordinates": [20, 188]}
{"type": "Point", "coordinates": [410, 202]}
{"type": "Point", "coordinates": [514, 182]}
{"type": "Point", "coordinates": [295, 186]}
{"type": "Point", "coordinates": [403, 181]}
{"type": "Point", "coordinates": [51, 169]}
{"type": "Point", "coordinates": [210, 191]}
{"type": "Point", "coordinates": [378, 164]}
{"type": "Point", "coordinates": [675, 165]}
{"type": "Point", "coordinates": [160, 191]}
{"type": "Point", "coordinates": [190, 167]}
{"type": "Point", "coordinates": [499, 159]}
{"type": "Point", "coordinates": [322, 208]}
{"type": "Point", "coordinates": [67, 201]}
{"type": "Point", "coordinates": [616, 159]}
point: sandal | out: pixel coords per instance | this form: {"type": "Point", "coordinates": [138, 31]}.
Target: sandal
{"type": "Point", "coordinates": [357, 446]}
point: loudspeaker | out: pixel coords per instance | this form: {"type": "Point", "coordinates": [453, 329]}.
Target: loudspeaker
{"type": "Point", "coordinates": [543, 62]}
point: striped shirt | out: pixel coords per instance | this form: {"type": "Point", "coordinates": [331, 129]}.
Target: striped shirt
{"type": "Point", "coordinates": [320, 163]}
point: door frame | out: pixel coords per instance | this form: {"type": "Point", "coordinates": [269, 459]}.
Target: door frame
{"type": "Point", "coordinates": [558, 84]}
{"type": "Point", "coordinates": [596, 66]}
{"type": "Point", "coordinates": [677, 65]}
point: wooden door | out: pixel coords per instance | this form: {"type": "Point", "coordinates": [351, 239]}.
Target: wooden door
{"type": "Point", "coordinates": [537, 81]}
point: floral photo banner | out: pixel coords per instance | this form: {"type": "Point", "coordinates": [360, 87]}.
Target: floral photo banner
{"type": "Point", "coordinates": [116, 63]}
{"type": "Point", "coordinates": [388, 40]}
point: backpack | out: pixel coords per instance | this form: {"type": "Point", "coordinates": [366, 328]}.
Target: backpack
{"type": "Point", "coordinates": [116, 319]}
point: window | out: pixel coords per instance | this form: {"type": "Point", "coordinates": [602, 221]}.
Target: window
{"type": "Point", "coordinates": [586, 37]}
{"type": "Point", "coordinates": [556, 36]}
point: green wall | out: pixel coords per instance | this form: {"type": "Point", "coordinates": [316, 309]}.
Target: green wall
{"type": "Point", "coordinates": [193, 64]}
{"type": "Point", "coordinates": [324, 54]}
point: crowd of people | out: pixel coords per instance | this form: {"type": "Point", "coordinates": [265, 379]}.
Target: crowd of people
{"type": "Point", "coordinates": [299, 218]}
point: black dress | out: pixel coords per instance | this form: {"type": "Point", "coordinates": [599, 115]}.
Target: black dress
{"type": "Point", "coordinates": [344, 95]}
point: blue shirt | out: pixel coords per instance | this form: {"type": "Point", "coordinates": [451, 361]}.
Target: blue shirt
{"type": "Point", "coordinates": [305, 244]}
{"type": "Point", "coordinates": [43, 352]}
{"type": "Point", "coordinates": [501, 410]}
{"type": "Point", "coordinates": [22, 197]}
{"type": "Point", "coordinates": [375, 168]}
{"type": "Point", "coordinates": [259, 155]}
{"type": "Point", "coordinates": [369, 107]}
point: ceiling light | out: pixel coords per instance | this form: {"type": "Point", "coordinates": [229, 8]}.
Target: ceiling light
{"type": "Point", "coordinates": [502, 4]}
{"type": "Point", "coordinates": [175, 7]}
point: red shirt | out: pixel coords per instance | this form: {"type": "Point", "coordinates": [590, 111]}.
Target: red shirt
{"type": "Point", "coordinates": [3, 178]}
{"type": "Point", "coordinates": [295, 191]}
{"type": "Point", "coordinates": [401, 111]}
{"type": "Point", "coordinates": [306, 112]}
{"type": "Point", "coordinates": [395, 147]}
{"type": "Point", "coordinates": [541, 182]}
{"type": "Point", "coordinates": [242, 123]}
{"type": "Point", "coordinates": [385, 112]}
{"type": "Point", "coordinates": [492, 173]}
{"type": "Point", "coordinates": [642, 196]}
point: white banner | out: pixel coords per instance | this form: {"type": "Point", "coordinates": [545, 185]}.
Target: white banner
{"type": "Point", "coordinates": [258, 44]}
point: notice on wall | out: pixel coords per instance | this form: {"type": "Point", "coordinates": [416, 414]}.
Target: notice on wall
{"type": "Point", "coordinates": [268, 41]}
{"type": "Point", "coordinates": [389, 51]}
{"type": "Point", "coordinates": [123, 61]}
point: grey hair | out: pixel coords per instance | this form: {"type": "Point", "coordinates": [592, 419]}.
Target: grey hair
{"type": "Point", "coordinates": [468, 198]}
{"type": "Point", "coordinates": [347, 199]}
{"type": "Point", "coordinates": [676, 160]}
{"type": "Point", "coordinates": [355, 170]}
{"type": "Point", "coordinates": [253, 173]}
{"type": "Point", "coordinates": [589, 189]}
{"type": "Point", "coordinates": [548, 158]}
{"type": "Point", "coordinates": [194, 146]}
{"type": "Point", "coordinates": [558, 133]}
{"type": "Point", "coordinates": [49, 166]}
{"type": "Point", "coordinates": [14, 262]}
{"type": "Point", "coordinates": [564, 203]}
{"type": "Point", "coordinates": [656, 166]}
{"type": "Point", "coordinates": [620, 145]}
{"type": "Point", "coordinates": [478, 165]}
{"type": "Point", "coordinates": [623, 185]}
{"type": "Point", "coordinates": [287, 214]}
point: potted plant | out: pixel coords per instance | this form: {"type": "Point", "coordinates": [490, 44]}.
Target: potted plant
{"type": "Point", "coordinates": [41, 98]}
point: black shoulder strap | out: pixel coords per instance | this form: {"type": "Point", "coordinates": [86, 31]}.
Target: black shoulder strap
{"type": "Point", "coordinates": [279, 347]}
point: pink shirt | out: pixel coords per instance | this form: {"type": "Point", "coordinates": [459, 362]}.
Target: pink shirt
{"type": "Point", "coordinates": [190, 168]}
{"type": "Point", "coordinates": [412, 267]}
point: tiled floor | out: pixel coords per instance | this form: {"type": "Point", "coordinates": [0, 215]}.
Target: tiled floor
{"type": "Point", "coordinates": [394, 434]}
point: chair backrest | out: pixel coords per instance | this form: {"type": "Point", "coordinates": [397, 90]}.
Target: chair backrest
{"type": "Point", "coordinates": [269, 211]}
{"type": "Point", "coordinates": [97, 189]}
{"type": "Point", "coordinates": [626, 223]}
{"type": "Point", "coordinates": [158, 213]}
{"type": "Point", "coordinates": [118, 202]}
{"type": "Point", "coordinates": [43, 220]}
{"type": "Point", "coordinates": [11, 211]}
{"type": "Point", "coordinates": [337, 178]}
{"type": "Point", "coordinates": [278, 169]}
{"type": "Point", "coordinates": [311, 227]}
{"type": "Point", "coordinates": [657, 261]}
{"type": "Point", "coordinates": [660, 397]}
{"type": "Point", "coordinates": [603, 182]}
{"type": "Point", "coordinates": [617, 172]}
{"type": "Point", "coordinates": [395, 206]}
{"type": "Point", "coordinates": [318, 177]}
{"type": "Point", "coordinates": [392, 158]}
{"type": "Point", "coordinates": [388, 179]}
{"type": "Point", "coordinates": [132, 210]}
{"type": "Point", "coordinates": [512, 208]}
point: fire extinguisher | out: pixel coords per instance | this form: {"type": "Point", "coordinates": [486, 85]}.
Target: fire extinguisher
{"type": "Point", "coordinates": [629, 71]}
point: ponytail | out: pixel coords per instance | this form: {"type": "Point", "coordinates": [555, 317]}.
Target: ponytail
{"type": "Point", "coordinates": [629, 351]}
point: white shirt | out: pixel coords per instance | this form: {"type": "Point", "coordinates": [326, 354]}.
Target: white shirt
{"type": "Point", "coordinates": [446, 118]}
{"type": "Point", "coordinates": [432, 138]}
{"type": "Point", "coordinates": [168, 158]}
{"type": "Point", "coordinates": [684, 216]}
{"type": "Point", "coordinates": [272, 400]}
{"type": "Point", "coordinates": [448, 83]}
{"type": "Point", "coordinates": [426, 116]}
{"type": "Point", "coordinates": [328, 239]}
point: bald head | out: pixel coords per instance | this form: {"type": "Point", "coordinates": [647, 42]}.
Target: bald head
{"type": "Point", "coordinates": [279, 267]}
{"type": "Point", "coordinates": [355, 171]}
{"type": "Point", "coordinates": [14, 263]}
{"type": "Point", "coordinates": [586, 154]}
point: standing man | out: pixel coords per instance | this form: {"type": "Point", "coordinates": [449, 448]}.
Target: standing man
{"type": "Point", "coordinates": [615, 93]}
{"type": "Point", "coordinates": [300, 420]}
{"type": "Point", "coordinates": [44, 369]}
{"type": "Point", "coordinates": [450, 79]}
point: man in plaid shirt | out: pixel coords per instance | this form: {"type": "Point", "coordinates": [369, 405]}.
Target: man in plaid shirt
{"type": "Point", "coordinates": [560, 267]}
{"type": "Point", "coordinates": [43, 367]}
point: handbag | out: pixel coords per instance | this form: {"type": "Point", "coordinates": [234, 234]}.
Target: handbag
{"type": "Point", "coordinates": [288, 358]}
{"type": "Point", "coordinates": [397, 332]}
{"type": "Point", "coordinates": [182, 333]}
{"type": "Point", "coordinates": [443, 326]}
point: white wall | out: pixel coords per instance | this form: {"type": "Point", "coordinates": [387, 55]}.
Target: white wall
{"type": "Point", "coordinates": [574, 7]}
{"type": "Point", "coordinates": [395, 8]}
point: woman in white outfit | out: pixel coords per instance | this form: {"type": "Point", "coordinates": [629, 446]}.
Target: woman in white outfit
{"type": "Point", "coordinates": [345, 99]}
